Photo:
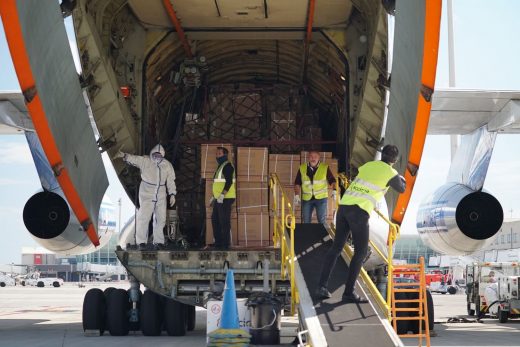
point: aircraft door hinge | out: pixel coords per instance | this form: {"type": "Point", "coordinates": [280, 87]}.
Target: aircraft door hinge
{"type": "Point", "coordinates": [427, 93]}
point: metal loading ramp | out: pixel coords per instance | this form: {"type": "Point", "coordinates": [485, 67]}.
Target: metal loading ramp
{"type": "Point", "coordinates": [342, 324]}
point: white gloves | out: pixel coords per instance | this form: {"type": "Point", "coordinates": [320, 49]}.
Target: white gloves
{"type": "Point", "coordinates": [172, 200]}
{"type": "Point", "coordinates": [296, 200]}
{"type": "Point", "coordinates": [119, 154]}
{"type": "Point", "coordinates": [334, 195]}
{"type": "Point", "coordinates": [220, 198]}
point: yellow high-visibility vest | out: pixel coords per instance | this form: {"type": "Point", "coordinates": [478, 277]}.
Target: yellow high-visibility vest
{"type": "Point", "coordinates": [318, 187]}
{"type": "Point", "coordinates": [370, 185]}
{"type": "Point", "coordinates": [219, 181]}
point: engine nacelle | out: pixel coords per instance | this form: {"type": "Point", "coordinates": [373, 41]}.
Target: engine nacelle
{"type": "Point", "coordinates": [49, 219]}
{"type": "Point", "coordinates": [457, 220]}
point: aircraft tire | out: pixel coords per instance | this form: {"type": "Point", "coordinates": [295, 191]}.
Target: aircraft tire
{"type": "Point", "coordinates": [414, 325]}
{"type": "Point", "coordinates": [191, 317]}
{"type": "Point", "coordinates": [94, 311]}
{"type": "Point", "coordinates": [108, 291]}
{"type": "Point", "coordinates": [117, 313]}
{"type": "Point", "coordinates": [175, 318]}
{"type": "Point", "coordinates": [403, 326]}
{"type": "Point", "coordinates": [151, 314]}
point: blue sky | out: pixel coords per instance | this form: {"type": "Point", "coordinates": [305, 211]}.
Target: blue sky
{"type": "Point", "coordinates": [486, 55]}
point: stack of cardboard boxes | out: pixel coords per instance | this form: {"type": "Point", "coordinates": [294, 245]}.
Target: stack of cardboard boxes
{"type": "Point", "coordinates": [286, 167]}
{"type": "Point", "coordinates": [251, 223]}
{"type": "Point", "coordinates": [252, 197]}
{"type": "Point", "coordinates": [208, 167]}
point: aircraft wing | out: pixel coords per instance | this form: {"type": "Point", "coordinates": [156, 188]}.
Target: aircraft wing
{"type": "Point", "coordinates": [464, 111]}
{"type": "Point", "coordinates": [14, 118]}
{"type": "Point", "coordinates": [43, 62]}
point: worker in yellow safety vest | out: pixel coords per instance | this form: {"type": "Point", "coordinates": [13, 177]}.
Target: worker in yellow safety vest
{"type": "Point", "coordinates": [356, 205]}
{"type": "Point", "coordinates": [312, 181]}
{"type": "Point", "coordinates": [224, 194]}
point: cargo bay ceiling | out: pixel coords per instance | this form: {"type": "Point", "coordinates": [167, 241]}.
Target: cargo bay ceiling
{"type": "Point", "coordinates": [134, 43]}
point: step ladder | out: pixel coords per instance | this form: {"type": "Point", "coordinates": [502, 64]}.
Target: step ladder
{"type": "Point", "coordinates": [415, 302]}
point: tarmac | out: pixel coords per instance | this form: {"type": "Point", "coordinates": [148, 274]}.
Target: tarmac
{"type": "Point", "coordinates": [48, 317]}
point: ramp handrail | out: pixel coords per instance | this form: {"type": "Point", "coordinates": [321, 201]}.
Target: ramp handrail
{"type": "Point", "coordinates": [283, 217]}
{"type": "Point", "coordinates": [393, 234]}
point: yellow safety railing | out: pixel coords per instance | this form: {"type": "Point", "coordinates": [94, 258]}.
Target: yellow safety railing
{"type": "Point", "coordinates": [284, 219]}
{"type": "Point", "coordinates": [393, 234]}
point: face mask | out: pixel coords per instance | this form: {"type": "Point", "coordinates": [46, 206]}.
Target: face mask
{"type": "Point", "coordinates": [157, 157]}
{"type": "Point", "coordinates": [221, 159]}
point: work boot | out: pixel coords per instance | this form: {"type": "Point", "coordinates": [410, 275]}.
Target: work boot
{"type": "Point", "coordinates": [322, 293]}
{"type": "Point", "coordinates": [143, 247]}
{"type": "Point", "coordinates": [158, 247]}
{"type": "Point", "coordinates": [353, 298]}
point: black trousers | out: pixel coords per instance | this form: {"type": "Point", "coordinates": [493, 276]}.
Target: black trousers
{"type": "Point", "coordinates": [221, 222]}
{"type": "Point", "coordinates": [350, 218]}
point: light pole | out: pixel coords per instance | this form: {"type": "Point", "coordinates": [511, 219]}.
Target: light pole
{"type": "Point", "coordinates": [119, 221]}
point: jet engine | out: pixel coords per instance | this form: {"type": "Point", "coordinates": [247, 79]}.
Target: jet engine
{"type": "Point", "coordinates": [49, 219]}
{"type": "Point", "coordinates": [457, 220]}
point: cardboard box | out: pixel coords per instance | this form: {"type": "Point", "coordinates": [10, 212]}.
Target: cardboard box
{"type": "Point", "coordinates": [333, 166]}
{"type": "Point", "coordinates": [283, 117]}
{"type": "Point", "coordinates": [286, 166]}
{"type": "Point", "coordinates": [253, 230]}
{"type": "Point", "coordinates": [289, 192]}
{"type": "Point", "coordinates": [252, 164]}
{"type": "Point", "coordinates": [234, 231]}
{"type": "Point", "coordinates": [252, 197]}
{"type": "Point", "coordinates": [324, 156]}
{"type": "Point", "coordinates": [312, 133]}
{"type": "Point", "coordinates": [208, 162]}
{"type": "Point", "coordinates": [248, 129]}
{"type": "Point", "coordinates": [247, 105]}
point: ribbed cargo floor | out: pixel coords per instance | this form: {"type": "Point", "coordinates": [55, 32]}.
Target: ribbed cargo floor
{"type": "Point", "coordinates": [343, 324]}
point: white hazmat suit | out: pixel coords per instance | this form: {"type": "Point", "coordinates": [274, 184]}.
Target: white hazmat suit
{"type": "Point", "coordinates": [157, 175]}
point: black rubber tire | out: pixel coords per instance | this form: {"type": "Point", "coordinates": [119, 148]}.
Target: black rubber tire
{"type": "Point", "coordinates": [191, 317]}
{"type": "Point", "coordinates": [23, 283]}
{"type": "Point", "coordinates": [2, 284]}
{"type": "Point", "coordinates": [175, 318]}
{"type": "Point", "coordinates": [56, 284]}
{"type": "Point", "coordinates": [40, 284]}
{"type": "Point", "coordinates": [94, 311]}
{"type": "Point", "coordinates": [452, 290]}
{"type": "Point", "coordinates": [108, 291]}
{"type": "Point", "coordinates": [471, 312]}
{"type": "Point", "coordinates": [403, 326]}
{"type": "Point", "coordinates": [117, 313]}
{"type": "Point", "coordinates": [151, 314]}
{"type": "Point", "coordinates": [431, 310]}
{"type": "Point", "coordinates": [414, 325]}
{"type": "Point", "coordinates": [503, 316]}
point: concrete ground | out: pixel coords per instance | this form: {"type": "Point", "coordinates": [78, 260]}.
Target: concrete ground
{"type": "Point", "coordinates": [42, 317]}
{"type": "Point", "coordinates": [489, 333]}
{"type": "Point", "coordinates": [48, 317]}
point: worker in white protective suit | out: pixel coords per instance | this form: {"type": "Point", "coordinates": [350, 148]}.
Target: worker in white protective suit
{"type": "Point", "coordinates": [157, 182]}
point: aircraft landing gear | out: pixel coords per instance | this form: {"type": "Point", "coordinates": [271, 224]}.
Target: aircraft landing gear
{"type": "Point", "coordinates": [94, 308]}
{"type": "Point", "coordinates": [120, 311]}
